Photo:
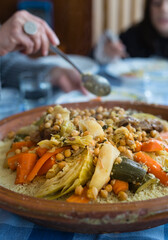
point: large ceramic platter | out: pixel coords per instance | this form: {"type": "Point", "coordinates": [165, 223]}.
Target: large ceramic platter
{"type": "Point", "coordinates": [85, 218]}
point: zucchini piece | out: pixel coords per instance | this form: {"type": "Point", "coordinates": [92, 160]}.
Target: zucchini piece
{"type": "Point", "coordinates": [128, 171]}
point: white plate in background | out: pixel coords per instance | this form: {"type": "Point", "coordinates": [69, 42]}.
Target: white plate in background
{"type": "Point", "coordinates": [86, 64]}
{"type": "Point", "coordinates": [116, 94]}
{"type": "Point", "coordinates": [143, 65]}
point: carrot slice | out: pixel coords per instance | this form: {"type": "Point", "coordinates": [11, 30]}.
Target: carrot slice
{"type": "Point", "coordinates": [79, 199]}
{"type": "Point", "coordinates": [47, 165]}
{"type": "Point", "coordinates": [41, 151]}
{"type": "Point", "coordinates": [41, 161]}
{"type": "Point", "coordinates": [153, 166]}
{"type": "Point", "coordinates": [119, 186]}
{"type": "Point", "coordinates": [138, 146]}
{"type": "Point", "coordinates": [18, 145]}
{"type": "Point", "coordinates": [26, 162]}
{"type": "Point", "coordinates": [151, 146]}
{"type": "Point", "coordinates": [12, 161]}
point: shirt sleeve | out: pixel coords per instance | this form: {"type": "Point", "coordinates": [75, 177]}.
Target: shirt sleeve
{"type": "Point", "coordinates": [14, 64]}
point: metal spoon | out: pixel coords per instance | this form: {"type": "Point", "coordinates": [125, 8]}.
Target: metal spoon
{"type": "Point", "coordinates": [95, 84]}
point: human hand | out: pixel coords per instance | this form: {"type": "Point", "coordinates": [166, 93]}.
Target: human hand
{"type": "Point", "coordinates": [67, 79]}
{"type": "Point", "coordinates": [114, 49]}
{"type": "Point", "coordinates": [13, 37]}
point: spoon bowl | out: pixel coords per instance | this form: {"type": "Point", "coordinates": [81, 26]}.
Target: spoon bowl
{"type": "Point", "coordinates": [95, 84]}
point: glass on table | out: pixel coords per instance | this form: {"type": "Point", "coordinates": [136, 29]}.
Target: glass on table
{"type": "Point", "coordinates": [10, 102]}
{"type": "Point", "coordinates": [36, 90]}
{"type": "Point", "coordinates": [156, 87]}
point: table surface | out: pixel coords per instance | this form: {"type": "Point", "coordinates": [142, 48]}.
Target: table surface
{"type": "Point", "coordinates": [15, 227]}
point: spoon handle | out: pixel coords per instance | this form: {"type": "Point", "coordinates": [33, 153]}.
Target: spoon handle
{"type": "Point", "coordinates": [63, 55]}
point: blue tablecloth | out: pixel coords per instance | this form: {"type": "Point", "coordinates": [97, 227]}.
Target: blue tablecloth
{"type": "Point", "coordinates": [13, 227]}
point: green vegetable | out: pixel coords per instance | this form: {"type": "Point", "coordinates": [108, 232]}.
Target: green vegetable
{"type": "Point", "coordinates": [81, 141]}
{"type": "Point", "coordinates": [77, 171]}
{"type": "Point", "coordinates": [142, 116]}
{"type": "Point", "coordinates": [66, 128]}
{"type": "Point", "coordinates": [65, 113]}
{"type": "Point", "coordinates": [147, 181]}
{"type": "Point", "coordinates": [40, 121]}
{"type": "Point", "coordinates": [128, 171]}
{"type": "Point", "coordinates": [63, 141]}
{"type": "Point", "coordinates": [147, 184]}
{"type": "Point", "coordinates": [19, 137]}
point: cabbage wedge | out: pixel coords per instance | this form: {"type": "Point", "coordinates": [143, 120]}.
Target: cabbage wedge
{"type": "Point", "coordinates": [77, 172]}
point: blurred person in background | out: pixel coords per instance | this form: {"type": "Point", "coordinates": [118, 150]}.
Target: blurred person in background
{"type": "Point", "coordinates": [15, 44]}
{"type": "Point", "coordinates": [145, 39]}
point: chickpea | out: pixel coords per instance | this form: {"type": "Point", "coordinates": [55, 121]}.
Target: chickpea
{"type": "Point", "coordinates": [108, 188]}
{"type": "Point", "coordinates": [154, 133]}
{"type": "Point", "coordinates": [112, 182]}
{"type": "Point", "coordinates": [11, 135]}
{"type": "Point", "coordinates": [86, 133]}
{"type": "Point", "coordinates": [67, 153]}
{"type": "Point", "coordinates": [130, 142]}
{"type": "Point", "coordinates": [118, 160]}
{"type": "Point", "coordinates": [59, 121]}
{"type": "Point", "coordinates": [87, 113]}
{"type": "Point", "coordinates": [75, 147]}
{"type": "Point", "coordinates": [109, 130]}
{"type": "Point", "coordinates": [99, 109]}
{"type": "Point", "coordinates": [99, 117]}
{"type": "Point", "coordinates": [75, 133]}
{"type": "Point", "coordinates": [130, 136]}
{"type": "Point", "coordinates": [56, 127]}
{"type": "Point", "coordinates": [62, 164]}
{"type": "Point", "coordinates": [25, 149]}
{"type": "Point", "coordinates": [58, 116]}
{"type": "Point", "coordinates": [103, 193]}
{"type": "Point", "coordinates": [47, 125]}
{"type": "Point", "coordinates": [73, 113]}
{"type": "Point", "coordinates": [79, 190]}
{"type": "Point", "coordinates": [76, 121]}
{"type": "Point", "coordinates": [17, 151]}
{"type": "Point", "coordinates": [50, 109]}
{"type": "Point", "coordinates": [27, 138]}
{"type": "Point", "coordinates": [122, 142]}
{"type": "Point", "coordinates": [59, 157]}
{"type": "Point", "coordinates": [122, 196]}
{"type": "Point", "coordinates": [48, 117]}
{"type": "Point", "coordinates": [92, 193]}
{"type": "Point", "coordinates": [95, 161]}
{"type": "Point", "coordinates": [128, 154]}
{"type": "Point", "coordinates": [139, 138]}
{"type": "Point", "coordinates": [96, 151]}
{"type": "Point", "coordinates": [102, 123]}
{"type": "Point", "coordinates": [122, 149]}
{"type": "Point", "coordinates": [92, 111]}
{"type": "Point", "coordinates": [143, 134]}
{"type": "Point", "coordinates": [105, 114]}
